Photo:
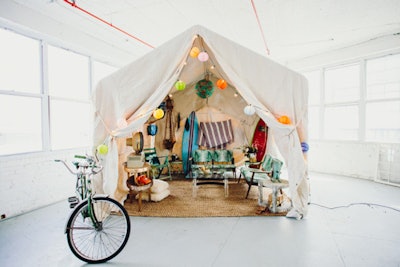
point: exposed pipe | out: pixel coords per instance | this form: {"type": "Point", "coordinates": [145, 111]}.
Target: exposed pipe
{"type": "Point", "coordinates": [260, 27]}
{"type": "Point", "coordinates": [73, 4]}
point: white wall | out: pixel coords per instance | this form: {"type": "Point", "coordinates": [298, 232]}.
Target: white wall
{"type": "Point", "coordinates": [344, 158]}
{"type": "Point", "coordinates": [373, 161]}
{"type": "Point", "coordinates": [30, 181]}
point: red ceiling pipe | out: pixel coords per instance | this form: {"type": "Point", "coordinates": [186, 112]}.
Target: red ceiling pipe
{"type": "Point", "coordinates": [260, 27]}
{"type": "Point", "coordinates": [73, 4]}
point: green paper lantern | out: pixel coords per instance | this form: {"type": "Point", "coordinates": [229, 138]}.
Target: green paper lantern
{"type": "Point", "coordinates": [180, 85]}
{"type": "Point", "coordinates": [102, 149]}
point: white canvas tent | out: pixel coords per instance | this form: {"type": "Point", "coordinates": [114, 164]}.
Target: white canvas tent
{"type": "Point", "coordinates": [125, 100]}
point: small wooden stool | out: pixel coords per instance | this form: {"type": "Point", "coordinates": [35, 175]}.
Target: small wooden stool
{"type": "Point", "coordinates": [133, 173]}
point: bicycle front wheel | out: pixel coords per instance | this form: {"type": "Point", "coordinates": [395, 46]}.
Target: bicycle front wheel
{"type": "Point", "coordinates": [96, 242]}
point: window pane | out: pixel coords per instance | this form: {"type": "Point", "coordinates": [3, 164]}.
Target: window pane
{"type": "Point", "coordinates": [70, 124]}
{"type": "Point", "coordinates": [20, 64]}
{"type": "Point", "coordinates": [314, 86]}
{"type": "Point", "coordinates": [101, 70]}
{"type": "Point", "coordinates": [383, 77]}
{"type": "Point", "coordinates": [20, 124]}
{"type": "Point", "coordinates": [383, 121]}
{"type": "Point", "coordinates": [342, 84]}
{"type": "Point", "coordinates": [313, 122]}
{"type": "Point", "coordinates": [68, 74]}
{"type": "Point", "coordinates": [341, 123]}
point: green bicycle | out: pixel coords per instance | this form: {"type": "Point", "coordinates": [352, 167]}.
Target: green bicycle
{"type": "Point", "coordinates": [99, 226]}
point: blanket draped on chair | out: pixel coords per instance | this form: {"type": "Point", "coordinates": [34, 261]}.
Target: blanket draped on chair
{"type": "Point", "coordinates": [215, 134]}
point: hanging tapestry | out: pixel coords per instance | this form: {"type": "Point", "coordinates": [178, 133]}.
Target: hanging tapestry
{"type": "Point", "coordinates": [215, 134]}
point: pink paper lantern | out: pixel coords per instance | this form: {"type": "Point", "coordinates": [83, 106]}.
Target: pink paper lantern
{"type": "Point", "coordinates": [203, 56]}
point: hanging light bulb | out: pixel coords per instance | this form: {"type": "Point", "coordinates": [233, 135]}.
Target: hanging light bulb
{"type": "Point", "coordinates": [249, 110]}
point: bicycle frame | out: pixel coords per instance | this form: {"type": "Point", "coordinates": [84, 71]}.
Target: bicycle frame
{"type": "Point", "coordinates": [83, 185]}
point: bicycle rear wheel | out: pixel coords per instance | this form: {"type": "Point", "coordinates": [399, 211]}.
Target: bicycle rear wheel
{"type": "Point", "coordinates": [98, 244]}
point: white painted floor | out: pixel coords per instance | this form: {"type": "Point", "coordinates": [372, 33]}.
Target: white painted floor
{"type": "Point", "coordinates": [359, 235]}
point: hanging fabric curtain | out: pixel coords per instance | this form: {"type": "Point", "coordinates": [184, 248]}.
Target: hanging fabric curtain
{"type": "Point", "coordinates": [215, 134]}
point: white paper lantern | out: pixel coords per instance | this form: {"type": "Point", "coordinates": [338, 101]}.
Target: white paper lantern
{"type": "Point", "coordinates": [203, 56]}
{"type": "Point", "coordinates": [249, 110]}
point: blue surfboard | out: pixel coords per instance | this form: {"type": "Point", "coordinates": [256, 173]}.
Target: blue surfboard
{"type": "Point", "coordinates": [189, 141]}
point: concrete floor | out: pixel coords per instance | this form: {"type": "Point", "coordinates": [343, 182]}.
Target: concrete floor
{"type": "Point", "coordinates": [359, 235]}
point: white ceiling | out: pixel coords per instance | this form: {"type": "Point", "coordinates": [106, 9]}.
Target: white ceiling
{"type": "Point", "coordinates": [293, 29]}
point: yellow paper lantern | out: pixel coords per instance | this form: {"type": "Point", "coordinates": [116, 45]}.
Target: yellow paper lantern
{"type": "Point", "coordinates": [158, 113]}
{"type": "Point", "coordinates": [284, 119]}
{"type": "Point", "coordinates": [194, 52]}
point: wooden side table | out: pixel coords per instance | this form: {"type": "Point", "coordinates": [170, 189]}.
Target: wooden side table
{"type": "Point", "coordinates": [176, 166]}
{"type": "Point", "coordinates": [133, 173]}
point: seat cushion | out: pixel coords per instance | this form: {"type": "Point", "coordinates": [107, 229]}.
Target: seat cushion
{"type": "Point", "coordinates": [159, 186]}
{"type": "Point", "coordinates": [202, 156]}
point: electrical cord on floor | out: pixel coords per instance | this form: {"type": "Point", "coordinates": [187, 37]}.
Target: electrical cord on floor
{"type": "Point", "coordinates": [354, 204]}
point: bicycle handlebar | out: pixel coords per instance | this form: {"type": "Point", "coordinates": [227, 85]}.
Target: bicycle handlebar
{"type": "Point", "coordinates": [89, 162]}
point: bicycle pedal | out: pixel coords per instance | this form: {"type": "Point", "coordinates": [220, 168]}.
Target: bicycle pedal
{"type": "Point", "coordinates": [73, 201]}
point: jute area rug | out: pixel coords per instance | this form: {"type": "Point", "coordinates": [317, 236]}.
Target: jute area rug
{"type": "Point", "coordinates": [209, 202]}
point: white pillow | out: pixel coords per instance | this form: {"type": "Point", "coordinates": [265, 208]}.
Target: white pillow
{"type": "Point", "coordinates": [154, 196]}
{"type": "Point", "coordinates": [159, 186]}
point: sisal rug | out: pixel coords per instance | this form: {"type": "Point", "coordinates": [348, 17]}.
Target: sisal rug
{"type": "Point", "coordinates": [209, 202]}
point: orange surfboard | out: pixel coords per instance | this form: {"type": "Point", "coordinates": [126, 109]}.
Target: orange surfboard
{"type": "Point", "coordinates": [260, 138]}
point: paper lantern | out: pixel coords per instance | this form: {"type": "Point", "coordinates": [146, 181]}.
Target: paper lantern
{"type": "Point", "coordinates": [158, 114]}
{"type": "Point", "coordinates": [203, 56]}
{"type": "Point", "coordinates": [304, 146]}
{"type": "Point", "coordinates": [194, 52]}
{"type": "Point", "coordinates": [284, 119]}
{"type": "Point", "coordinates": [221, 84]}
{"type": "Point", "coordinates": [180, 85]}
{"type": "Point", "coordinates": [102, 149]}
{"type": "Point", "coordinates": [249, 110]}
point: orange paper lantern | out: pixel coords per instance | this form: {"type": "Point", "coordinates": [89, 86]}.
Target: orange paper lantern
{"type": "Point", "coordinates": [221, 84]}
{"type": "Point", "coordinates": [284, 119]}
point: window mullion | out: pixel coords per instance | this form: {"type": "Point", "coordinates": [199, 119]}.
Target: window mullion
{"type": "Point", "coordinates": [45, 98]}
{"type": "Point", "coordinates": [363, 97]}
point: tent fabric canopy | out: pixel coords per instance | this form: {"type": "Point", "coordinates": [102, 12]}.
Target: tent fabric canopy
{"type": "Point", "coordinates": [125, 100]}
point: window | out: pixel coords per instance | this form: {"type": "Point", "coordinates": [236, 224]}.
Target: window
{"type": "Point", "coordinates": [100, 70]}
{"type": "Point", "coordinates": [70, 114]}
{"type": "Point", "coordinates": [341, 122]}
{"type": "Point", "coordinates": [314, 87]}
{"type": "Point", "coordinates": [20, 124]}
{"type": "Point", "coordinates": [70, 124]}
{"type": "Point", "coordinates": [24, 126]}
{"type": "Point", "coordinates": [313, 122]}
{"type": "Point", "coordinates": [68, 74]}
{"type": "Point", "coordinates": [383, 78]}
{"type": "Point", "coordinates": [342, 84]}
{"type": "Point", "coordinates": [383, 121]}
{"type": "Point", "coordinates": [20, 63]}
